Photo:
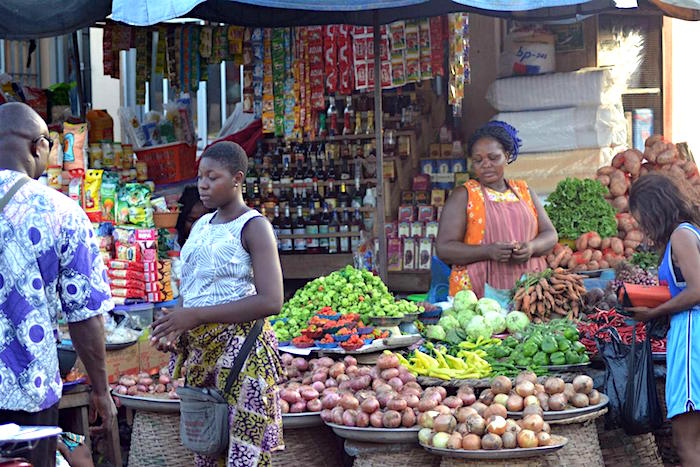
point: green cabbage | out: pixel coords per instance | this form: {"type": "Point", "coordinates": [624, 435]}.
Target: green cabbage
{"type": "Point", "coordinates": [496, 321]}
{"type": "Point", "coordinates": [487, 304]}
{"type": "Point", "coordinates": [478, 328]}
{"type": "Point", "coordinates": [435, 332]}
{"type": "Point", "coordinates": [448, 322]}
{"type": "Point", "coordinates": [516, 321]}
{"type": "Point", "coordinates": [465, 300]}
{"type": "Point", "coordinates": [464, 317]}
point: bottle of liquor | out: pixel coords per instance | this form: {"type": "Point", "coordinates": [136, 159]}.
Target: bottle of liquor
{"type": "Point", "coordinates": [270, 201]}
{"type": "Point", "coordinates": [348, 117]}
{"type": "Point", "coordinates": [284, 198]}
{"type": "Point", "coordinates": [332, 120]}
{"type": "Point", "coordinates": [310, 172]}
{"type": "Point", "coordinates": [296, 200]}
{"type": "Point", "coordinates": [357, 195]}
{"type": "Point", "coordinates": [323, 222]}
{"type": "Point", "coordinates": [265, 176]}
{"type": "Point", "coordinates": [256, 200]}
{"type": "Point", "coordinates": [344, 171]}
{"type": "Point", "coordinates": [252, 175]}
{"type": "Point", "coordinates": [286, 177]}
{"type": "Point", "coordinates": [299, 228]}
{"type": "Point", "coordinates": [369, 201]}
{"type": "Point", "coordinates": [312, 228]}
{"type": "Point", "coordinates": [299, 175]}
{"type": "Point", "coordinates": [343, 197]}
{"type": "Point", "coordinates": [344, 243]}
{"type": "Point", "coordinates": [316, 197]}
{"type": "Point", "coordinates": [275, 175]}
{"type": "Point", "coordinates": [331, 196]}
{"type": "Point", "coordinates": [286, 244]}
{"type": "Point", "coordinates": [305, 202]}
{"type": "Point", "coordinates": [355, 227]}
{"type": "Point", "coordinates": [276, 225]}
{"type": "Point", "coordinates": [320, 175]}
{"type": "Point", "coordinates": [330, 173]}
{"type": "Point", "coordinates": [333, 227]}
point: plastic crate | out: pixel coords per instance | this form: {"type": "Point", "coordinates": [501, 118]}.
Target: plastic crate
{"type": "Point", "coordinates": [169, 163]}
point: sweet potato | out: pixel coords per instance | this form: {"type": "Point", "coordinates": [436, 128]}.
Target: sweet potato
{"type": "Point", "coordinates": [619, 160]}
{"type": "Point", "coordinates": [621, 204]}
{"type": "Point", "coordinates": [633, 244]}
{"type": "Point", "coordinates": [604, 180]}
{"type": "Point", "coordinates": [677, 170]}
{"type": "Point", "coordinates": [594, 240]}
{"type": "Point", "coordinates": [582, 242]}
{"type": "Point", "coordinates": [597, 255]}
{"type": "Point", "coordinates": [605, 243]}
{"type": "Point", "coordinates": [573, 263]}
{"type": "Point", "coordinates": [690, 169]}
{"type": "Point", "coordinates": [646, 168]}
{"type": "Point", "coordinates": [635, 235]}
{"type": "Point", "coordinates": [603, 264]}
{"type": "Point", "coordinates": [586, 256]}
{"type": "Point", "coordinates": [617, 246]}
{"type": "Point", "coordinates": [632, 161]}
{"type": "Point", "coordinates": [593, 265]}
{"type": "Point", "coordinates": [557, 248]}
{"type": "Point", "coordinates": [607, 170]}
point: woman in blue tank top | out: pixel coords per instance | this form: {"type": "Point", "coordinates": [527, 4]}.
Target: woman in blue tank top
{"type": "Point", "coordinates": [668, 213]}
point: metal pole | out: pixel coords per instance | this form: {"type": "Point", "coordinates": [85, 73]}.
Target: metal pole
{"type": "Point", "coordinates": [382, 259]}
{"type": "Point", "coordinates": [78, 75]}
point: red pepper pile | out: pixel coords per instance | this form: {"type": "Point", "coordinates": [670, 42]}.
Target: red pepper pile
{"type": "Point", "coordinates": [611, 318]}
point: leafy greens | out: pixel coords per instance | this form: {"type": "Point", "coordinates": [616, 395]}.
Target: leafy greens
{"type": "Point", "coordinates": [579, 206]}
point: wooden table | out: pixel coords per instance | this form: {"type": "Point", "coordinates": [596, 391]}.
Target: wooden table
{"type": "Point", "coordinates": [73, 406]}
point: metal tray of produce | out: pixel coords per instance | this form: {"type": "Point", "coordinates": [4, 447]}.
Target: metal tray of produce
{"type": "Point", "coordinates": [121, 345]}
{"type": "Point", "coordinates": [377, 435]}
{"type": "Point", "coordinates": [410, 317]}
{"type": "Point", "coordinates": [386, 321]}
{"type": "Point", "coordinates": [483, 454]}
{"type": "Point", "coordinates": [301, 420]}
{"type": "Point", "coordinates": [149, 404]}
{"type": "Point", "coordinates": [572, 367]}
{"type": "Point", "coordinates": [569, 413]}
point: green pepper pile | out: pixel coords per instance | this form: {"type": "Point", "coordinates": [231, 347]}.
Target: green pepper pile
{"type": "Point", "coordinates": [554, 343]}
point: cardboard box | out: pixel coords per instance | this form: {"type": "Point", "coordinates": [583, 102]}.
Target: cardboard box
{"type": "Point", "coordinates": [117, 363]}
{"type": "Point", "coordinates": [434, 150]}
{"type": "Point", "coordinates": [446, 150]}
{"type": "Point", "coordinates": [150, 359]}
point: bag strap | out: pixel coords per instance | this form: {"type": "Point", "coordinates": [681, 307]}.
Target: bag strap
{"type": "Point", "coordinates": [243, 354]}
{"type": "Point", "coordinates": [11, 192]}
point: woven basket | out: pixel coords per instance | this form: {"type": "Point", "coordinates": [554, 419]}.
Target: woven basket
{"type": "Point", "coordinates": [664, 435]}
{"type": "Point", "coordinates": [390, 455]}
{"type": "Point", "coordinates": [155, 441]}
{"type": "Point", "coordinates": [621, 450]}
{"type": "Point", "coordinates": [583, 449]}
{"type": "Point", "coordinates": [310, 447]}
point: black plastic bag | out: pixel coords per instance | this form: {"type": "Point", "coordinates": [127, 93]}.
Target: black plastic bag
{"type": "Point", "coordinates": [641, 412]}
{"type": "Point", "coordinates": [629, 383]}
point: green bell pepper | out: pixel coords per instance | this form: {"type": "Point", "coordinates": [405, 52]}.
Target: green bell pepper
{"type": "Point", "coordinates": [584, 358]}
{"type": "Point", "coordinates": [540, 359]}
{"type": "Point", "coordinates": [524, 361]}
{"type": "Point", "coordinates": [578, 347]}
{"type": "Point", "coordinates": [572, 357]}
{"type": "Point", "coordinates": [549, 344]}
{"type": "Point", "coordinates": [571, 334]}
{"type": "Point", "coordinates": [530, 349]}
{"type": "Point", "coordinates": [563, 343]}
{"type": "Point", "coordinates": [558, 358]}
{"type": "Point", "coordinates": [510, 341]}
{"type": "Point", "coordinates": [537, 338]}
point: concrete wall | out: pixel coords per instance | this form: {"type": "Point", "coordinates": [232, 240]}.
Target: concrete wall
{"type": "Point", "coordinates": [685, 69]}
{"type": "Point", "coordinates": [105, 90]}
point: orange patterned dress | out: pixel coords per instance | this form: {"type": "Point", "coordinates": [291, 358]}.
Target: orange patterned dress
{"type": "Point", "coordinates": [496, 217]}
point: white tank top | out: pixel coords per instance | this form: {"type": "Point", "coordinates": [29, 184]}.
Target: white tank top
{"type": "Point", "coordinates": [216, 268]}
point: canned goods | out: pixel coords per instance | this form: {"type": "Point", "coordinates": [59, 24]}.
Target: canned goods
{"type": "Point", "coordinates": [141, 171]}
{"type": "Point", "coordinates": [118, 155]}
{"type": "Point", "coordinates": [107, 155]}
{"type": "Point", "coordinates": [95, 156]}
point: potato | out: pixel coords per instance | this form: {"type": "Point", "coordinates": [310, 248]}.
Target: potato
{"type": "Point", "coordinates": [619, 160]}
{"type": "Point", "coordinates": [582, 242]}
{"type": "Point", "coordinates": [621, 204]}
{"type": "Point", "coordinates": [604, 180]}
{"type": "Point", "coordinates": [617, 246]}
{"type": "Point", "coordinates": [607, 170]}
{"type": "Point", "coordinates": [632, 161]}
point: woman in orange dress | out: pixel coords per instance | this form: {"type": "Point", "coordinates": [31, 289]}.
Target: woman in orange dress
{"type": "Point", "coordinates": [493, 230]}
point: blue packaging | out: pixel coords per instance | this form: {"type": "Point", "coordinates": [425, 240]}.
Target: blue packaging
{"type": "Point", "coordinates": [642, 127]}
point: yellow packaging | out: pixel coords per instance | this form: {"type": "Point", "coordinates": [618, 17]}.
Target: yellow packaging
{"type": "Point", "coordinates": [93, 183]}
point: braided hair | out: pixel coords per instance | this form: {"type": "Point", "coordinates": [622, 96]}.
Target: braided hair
{"type": "Point", "coordinates": [502, 132]}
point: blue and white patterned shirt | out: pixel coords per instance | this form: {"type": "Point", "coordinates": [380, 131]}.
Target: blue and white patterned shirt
{"type": "Point", "coordinates": [49, 261]}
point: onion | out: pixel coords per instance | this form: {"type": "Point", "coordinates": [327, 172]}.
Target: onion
{"type": "Point", "coordinates": [309, 394]}
{"type": "Point", "coordinates": [411, 400]}
{"type": "Point", "coordinates": [497, 426]}
{"type": "Point", "coordinates": [141, 388]}
{"type": "Point", "coordinates": [426, 419]}
{"type": "Point", "coordinates": [365, 371]}
{"type": "Point", "coordinates": [376, 419]}
{"type": "Point", "coordinates": [298, 407]}
{"type": "Point", "coordinates": [345, 386]}
{"type": "Point", "coordinates": [300, 364]}
{"type": "Point", "coordinates": [326, 415]}
{"type": "Point", "coordinates": [160, 388]}
{"type": "Point", "coordinates": [453, 402]}
{"type": "Point", "coordinates": [319, 375]}
{"type": "Point", "coordinates": [390, 373]}
{"type": "Point", "coordinates": [463, 413]}
{"type": "Point", "coordinates": [385, 397]}
{"type": "Point", "coordinates": [352, 370]}
{"type": "Point", "coordinates": [350, 360]}
{"type": "Point", "coordinates": [413, 384]}
{"type": "Point", "coordinates": [387, 360]}
{"type": "Point", "coordinates": [360, 382]}
{"type": "Point", "coordinates": [342, 378]}
{"type": "Point", "coordinates": [408, 418]}
{"type": "Point", "coordinates": [337, 414]}
{"type": "Point", "coordinates": [444, 423]}
{"type": "Point", "coordinates": [476, 424]}
{"type": "Point", "coordinates": [164, 379]}
{"type": "Point", "coordinates": [362, 420]}
{"type": "Point", "coordinates": [370, 405]}
{"type": "Point", "coordinates": [425, 436]}
{"type": "Point", "coordinates": [471, 442]}
{"type": "Point", "coordinates": [284, 405]}
{"type": "Point", "coordinates": [391, 419]}
{"type": "Point", "coordinates": [286, 359]}
{"type": "Point", "coordinates": [349, 418]}
{"type": "Point", "coordinates": [290, 395]}
{"type": "Point", "coordinates": [443, 409]}
{"type": "Point", "coordinates": [331, 383]}
{"type": "Point", "coordinates": [527, 439]}
{"type": "Point", "coordinates": [314, 405]}
{"type": "Point", "coordinates": [396, 383]}
{"type": "Point", "coordinates": [336, 370]}
{"type": "Point", "coordinates": [533, 423]}
{"type": "Point", "coordinates": [318, 386]}
{"type": "Point", "coordinates": [349, 402]}
{"type": "Point", "coordinates": [121, 389]}
{"type": "Point", "coordinates": [397, 404]}
{"type": "Point", "coordinates": [325, 362]}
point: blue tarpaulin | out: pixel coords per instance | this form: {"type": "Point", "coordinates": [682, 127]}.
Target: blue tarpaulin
{"type": "Point", "coordinates": [267, 13]}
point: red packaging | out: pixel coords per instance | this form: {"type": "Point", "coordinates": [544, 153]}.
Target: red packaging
{"type": "Point", "coordinates": [406, 213]}
{"type": "Point", "coordinates": [126, 274]}
{"type": "Point", "coordinates": [394, 250]}
{"type": "Point", "coordinates": [153, 287]}
{"type": "Point", "coordinates": [421, 182]}
{"type": "Point", "coordinates": [131, 265]}
{"type": "Point", "coordinates": [386, 74]}
{"type": "Point", "coordinates": [127, 284]}
{"type": "Point", "coordinates": [127, 293]}
{"type": "Point", "coordinates": [314, 34]}
{"type": "Point", "coordinates": [361, 80]}
{"type": "Point", "coordinates": [331, 57]}
{"type": "Point", "coordinates": [436, 37]}
{"type": "Point", "coordinates": [345, 60]}
{"type": "Point", "coordinates": [370, 73]}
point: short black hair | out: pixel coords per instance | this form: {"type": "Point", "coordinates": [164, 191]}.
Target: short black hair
{"type": "Point", "coordinates": [229, 154]}
{"type": "Point", "coordinates": [500, 133]}
{"type": "Point", "coordinates": [188, 200]}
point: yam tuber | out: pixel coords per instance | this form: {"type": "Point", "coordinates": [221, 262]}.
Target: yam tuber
{"type": "Point", "coordinates": [635, 235]}
{"type": "Point", "coordinates": [621, 204]}
{"type": "Point", "coordinates": [605, 244]}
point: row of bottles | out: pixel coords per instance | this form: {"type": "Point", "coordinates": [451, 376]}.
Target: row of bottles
{"type": "Point", "coordinates": [303, 233]}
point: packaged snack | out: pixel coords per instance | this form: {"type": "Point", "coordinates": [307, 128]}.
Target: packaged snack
{"type": "Point", "coordinates": [425, 253]}
{"type": "Point", "coordinates": [119, 264]}
{"type": "Point", "coordinates": [56, 154]}
{"type": "Point", "coordinates": [93, 184]}
{"type": "Point", "coordinates": [75, 190]}
{"type": "Point", "coordinates": [127, 284]}
{"type": "Point", "coordinates": [127, 293]}
{"type": "Point", "coordinates": [74, 138]}
{"type": "Point", "coordinates": [331, 57]}
{"type": "Point", "coordinates": [134, 205]}
{"type": "Point", "coordinates": [108, 195]}
{"type": "Point", "coordinates": [409, 253]}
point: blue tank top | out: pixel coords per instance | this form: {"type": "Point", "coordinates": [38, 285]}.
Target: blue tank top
{"type": "Point", "coordinates": [670, 275]}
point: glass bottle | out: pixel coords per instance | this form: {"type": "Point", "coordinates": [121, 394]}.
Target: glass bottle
{"type": "Point", "coordinates": [299, 228]}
